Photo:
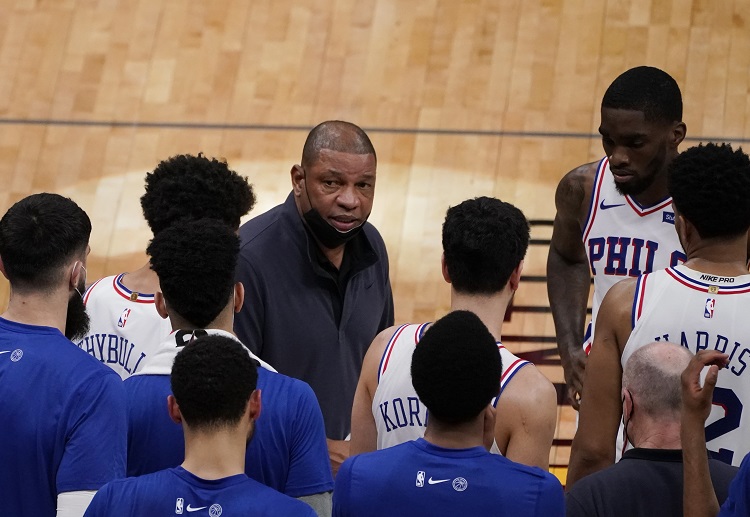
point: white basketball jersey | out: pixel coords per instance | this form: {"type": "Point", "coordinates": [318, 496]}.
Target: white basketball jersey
{"type": "Point", "coordinates": [125, 327]}
{"type": "Point", "coordinates": [701, 311]}
{"type": "Point", "coordinates": [623, 239]}
{"type": "Point", "coordinates": [399, 414]}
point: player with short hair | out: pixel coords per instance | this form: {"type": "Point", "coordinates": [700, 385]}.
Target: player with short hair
{"type": "Point", "coordinates": [214, 397]}
{"type": "Point", "coordinates": [63, 431]}
{"type": "Point", "coordinates": [449, 472]}
{"type": "Point", "coordinates": [125, 325]}
{"type": "Point", "coordinates": [317, 274]}
{"type": "Point", "coordinates": [648, 479]}
{"type": "Point", "coordinates": [614, 217]}
{"type": "Point", "coordinates": [289, 450]}
{"type": "Point", "coordinates": [701, 305]}
{"type": "Point", "coordinates": [484, 243]}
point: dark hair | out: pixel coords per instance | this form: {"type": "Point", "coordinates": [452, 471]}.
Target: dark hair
{"type": "Point", "coordinates": [336, 135]}
{"type": "Point", "coordinates": [195, 262]}
{"type": "Point", "coordinates": [212, 380]}
{"type": "Point", "coordinates": [710, 186]}
{"type": "Point", "coordinates": [484, 240]}
{"type": "Point", "coordinates": [38, 236]}
{"type": "Point", "coordinates": [646, 89]}
{"type": "Point", "coordinates": [456, 368]}
{"type": "Point", "coordinates": [194, 187]}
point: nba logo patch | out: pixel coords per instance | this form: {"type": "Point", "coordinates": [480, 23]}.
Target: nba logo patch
{"type": "Point", "coordinates": [708, 310]}
{"type": "Point", "coordinates": [178, 505]}
{"type": "Point", "coordinates": [420, 478]}
{"type": "Point", "coordinates": [123, 318]}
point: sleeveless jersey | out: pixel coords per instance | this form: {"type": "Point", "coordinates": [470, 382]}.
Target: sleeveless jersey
{"type": "Point", "coordinates": [125, 327]}
{"type": "Point", "coordinates": [399, 414]}
{"type": "Point", "coordinates": [701, 311]}
{"type": "Point", "coordinates": [624, 239]}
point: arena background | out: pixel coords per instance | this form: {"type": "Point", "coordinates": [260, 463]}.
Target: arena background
{"type": "Point", "coordinates": [461, 98]}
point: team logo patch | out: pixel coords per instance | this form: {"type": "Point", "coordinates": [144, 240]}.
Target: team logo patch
{"type": "Point", "coordinates": [215, 510]}
{"type": "Point", "coordinates": [420, 478]}
{"type": "Point", "coordinates": [123, 318]}
{"type": "Point", "coordinates": [667, 217]}
{"type": "Point", "coordinates": [708, 310]}
{"type": "Point", "coordinates": [16, 355]}
{"type": "Point", "coordinates": [460, 484]}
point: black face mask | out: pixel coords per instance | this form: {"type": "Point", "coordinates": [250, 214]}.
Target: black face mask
{"type": "Point", "coordinates": [326, 234]}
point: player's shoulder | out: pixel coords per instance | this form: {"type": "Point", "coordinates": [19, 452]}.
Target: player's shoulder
{"type": "Point", "coordinates": [260, 228]}
{"type": "Point", "coordinates": [623, 291]}
{"type": "Point", "coordinates": [531, 387]}
{"type": "Point", "coordinates": [575, 188]}
{"type": "Point", "coordinates": [278, 382]}
{"type": "Point", "coordinates": [100, 286]}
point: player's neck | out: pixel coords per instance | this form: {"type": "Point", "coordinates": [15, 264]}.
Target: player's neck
{"type": "Point", "coordinates": [456, 436]}
{"type": "Point", "coordinates": [42, 309]}
{"type": "Point", "coordinates": [655, 193]}
{"type": "Point", "coordinates": [142, 280]}
{"type": "Point", "coordinates": [719, 257]}
{"type": "Point", "coordinates": [490, 308]}
{"type": "Point", "coordinates": [663, 434]}
{"type": "Point", "coordinates": [215, 454]}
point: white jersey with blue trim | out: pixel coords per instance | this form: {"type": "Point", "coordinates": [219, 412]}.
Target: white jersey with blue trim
{"type": "Point", "coordinates": [703, 312]}
{"type": "Point", "coordinates": [399, 414]}
{"type": "Point", "coordinates": [125, 327]}
{"type": "Point", "coordinates": [624, 239]}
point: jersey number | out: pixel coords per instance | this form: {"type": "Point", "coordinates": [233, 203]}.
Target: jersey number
{"type": "Point", "coordinates": [728, 401]}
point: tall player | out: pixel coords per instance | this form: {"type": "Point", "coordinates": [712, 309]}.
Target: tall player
{"type": "Point", "coordinates": [701, 305]}
{"type": "Point", "coordinates": [63, 430]}
{"type": "Point", "coordinates": [125, 327]}
{"type": "Point", "coordinates": [614, 216]}
{"type": "Point", "coordinates": [484, 243]}
{"type": "Point", "coordinates": [216, 401]}
{"type": "Point", "coordinates": [449, 471]}
{"type": "Point", "coordinates": [200, 296]}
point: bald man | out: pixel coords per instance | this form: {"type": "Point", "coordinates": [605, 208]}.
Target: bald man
{"type": "Point", "coordinates": [649, 478]}
{"type": "Point", "coordinates": [315, 274]}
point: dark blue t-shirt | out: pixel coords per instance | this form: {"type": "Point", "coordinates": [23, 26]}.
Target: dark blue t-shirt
{"type": "Point", "coordinates": [738, 501]}
{"type": "Point", "coordinates": [62, 420]}
{"type": "Point", "coordinates": [178, 492]}
{"type": "Point", "coordinates": [288, 451]}
{"type": "Point", "coordinates": [417, 478]}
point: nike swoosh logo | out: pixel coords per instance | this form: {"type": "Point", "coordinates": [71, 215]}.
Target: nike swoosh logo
{"type": "Point", "coordinates": [5, 352]}
{"type": "Point", "coordinates": [191, 509]}
{"type": "Point", "coordinates": [607, 207]}
{"type": "Point", "coordinates": [436, 481]}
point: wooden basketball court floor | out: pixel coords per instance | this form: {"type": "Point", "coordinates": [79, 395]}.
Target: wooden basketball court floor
{"type": "Point", "coordinates": [461, 98]}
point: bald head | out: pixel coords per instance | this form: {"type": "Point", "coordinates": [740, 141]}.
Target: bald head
{"type": "Point", "coordinates": [335, 135]}
{"type": "Point", "coordinates": [652, 376]}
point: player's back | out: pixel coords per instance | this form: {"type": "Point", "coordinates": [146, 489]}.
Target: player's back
{"type": "Point", "coordinates": [63, 420]}
{"type": "Point", "coordinates": [418, 478]}
{"type": "Point", "coordinates": [399, 414]}
{"type": "Point", "coordinates": [288, 450]}
{"type": "Point", "coordinates": [125, 327]}
{"type": "Point", "coordinates": [702, 311]}
{"type": "Point", "coordinates": [174, 491]}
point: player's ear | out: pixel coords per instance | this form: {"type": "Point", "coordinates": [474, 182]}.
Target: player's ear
{"type": "Point", "coordinates": [75, 273]}
{"type": "Point", "coordinates": [515, 277]}
{"type": "Point", "coordinates": [254, 405]}
{"type": "Point", "coordinates": [678, 133]}
{"type": "Point", "coordinates": [161, 304]}
{"type": "Point", "coordinates": [298, 174]}
{"type": "Point", "coordinates": [239, 296]}
{"type": "Point", "coordinates": [444, 267]}
{"type": "Point", "coordinates": [174, 409]}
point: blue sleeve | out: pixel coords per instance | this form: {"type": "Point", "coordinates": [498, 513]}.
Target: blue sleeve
{"type": "Point", "coordinates": [738, 500]}
{"type": "Point", "coordinates": [551, 500]}
{"type": "Point", "coordinates": [96, 439]}
{"type": "Point", "coordinates": [309, 465]}
{"type": "Point", "coordinates": [342, 491]}
{"type": "Point", "coordinates": [249, 322]}
{"type": "Point", "coordinates": [98, 505]}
